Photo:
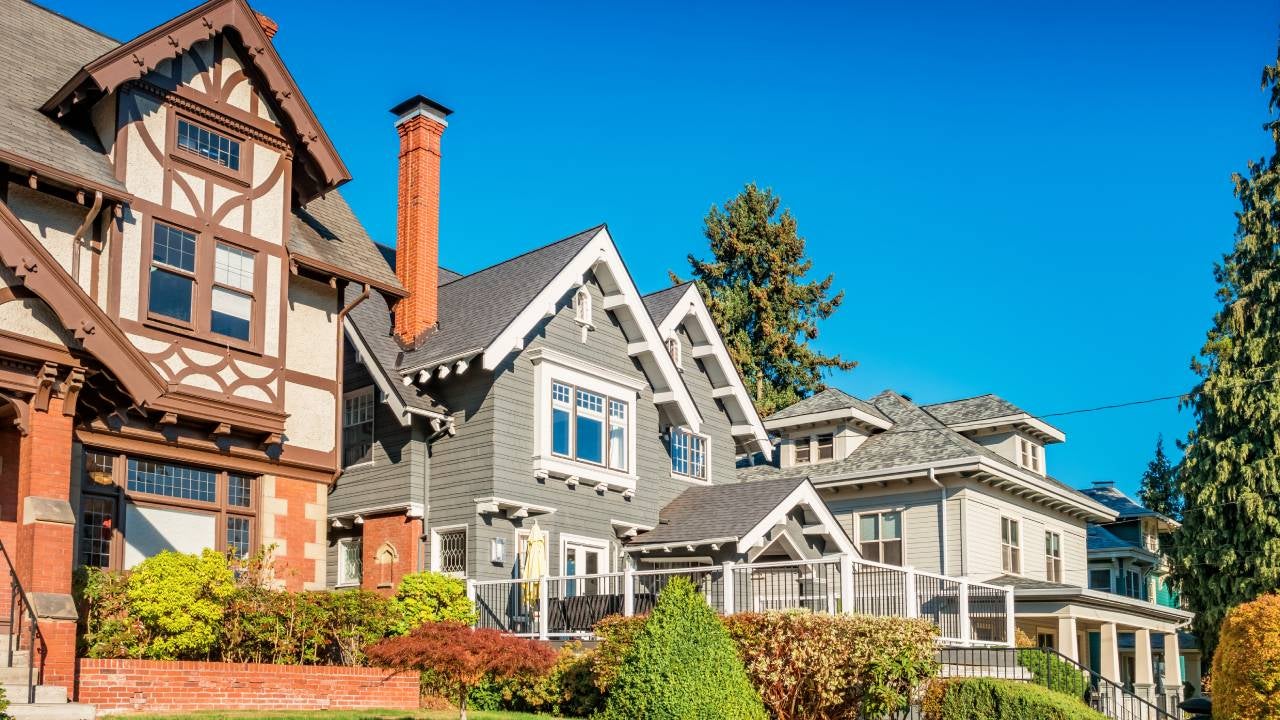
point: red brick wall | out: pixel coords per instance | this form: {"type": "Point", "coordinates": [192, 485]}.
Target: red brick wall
{"type": "Point", "coordinates": [403, 534]}
{"type": "Point", "coordinates": [154, 686]}
{"type": "Point", "coordinates": [293, 520]}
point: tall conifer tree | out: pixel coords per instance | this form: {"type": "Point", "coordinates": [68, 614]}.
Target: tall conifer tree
{"type": "Point", "coordinates": [756, 288]}
{"type": "Point", "coordinates": [1228, 549]}
{"type": "Point", "coordinates": [1159, 490]}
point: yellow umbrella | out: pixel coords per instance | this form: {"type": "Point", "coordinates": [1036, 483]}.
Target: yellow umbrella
{"type": "Point", "coordinates": [535, 562]}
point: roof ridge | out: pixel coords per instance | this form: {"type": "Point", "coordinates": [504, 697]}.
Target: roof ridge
{"type": "Point", "coordinates": [960, 400]}
{"type": "Point", "coordinates": [73, 21]}
{"type": "Point", "coordinates": [677, 286]}
{"type": "Point", "coordinates": [528, 252]}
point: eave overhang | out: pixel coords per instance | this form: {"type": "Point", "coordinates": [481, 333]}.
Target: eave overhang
{"type": "Point", "coordinates": [1109, 601]}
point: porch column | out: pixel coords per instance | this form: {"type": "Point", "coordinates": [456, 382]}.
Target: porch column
{"type": "Point", "coordinates": [1172, 664]}
{"type": "Point", "coordinates": [46, 536]}
{"type": "Point", "coordinates": [1110, 655]}
{"type": "Point", "coordinates": [1067, 638]}
{"type": "Point", "coordinates": [1143, 669]}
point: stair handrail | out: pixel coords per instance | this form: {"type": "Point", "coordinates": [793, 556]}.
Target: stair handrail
{"type": "Point", "coordinates": [18, 598]}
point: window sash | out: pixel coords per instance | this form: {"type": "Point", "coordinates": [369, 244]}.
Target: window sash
{"type": "Point", "coordinates": [451, 551]}
{"type": "Point", "coordinates": [688, 454]}
{"type": "Point", "coordinates": [1010, 547]}
{"type": "Point", "coordinates": [583, 420]}
{"type": "Point", "coordinates": [208, 144]}
{"type": "Point", "coordinates": [803, 450]}
{"type": "Point", "coordinates": [826, 446]}
{"type": "Point", "coordinates": [350, 561]}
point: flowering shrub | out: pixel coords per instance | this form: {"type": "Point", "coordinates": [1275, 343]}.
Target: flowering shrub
{"type": "Point", "coordinates": [813, 665]}
{"type": "Point", "coordinates": [461, 656]}
{"type": "Point", "coordinates": [1246, 663]}
{"type": "Point", "coordinates": [431, 597]}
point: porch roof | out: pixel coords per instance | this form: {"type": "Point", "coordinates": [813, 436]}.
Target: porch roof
{"type": "Point", "coordinates": [1027, 590]}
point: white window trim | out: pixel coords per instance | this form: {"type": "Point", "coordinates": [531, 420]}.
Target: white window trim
{"type": "Point", "coordinates": [550, 365]}
{"type": "Point", "coordinates": [1021, 560]}
{"type": "Point", "coordinates": [435, 548]}
{"type": "Point", "coordinates": [706, 461]}
{"type": "Point", "coordinates": [856, 535]}
{"type": "Point", "coordinates": [373, 422]}
{"type": "Point", "coordinates": [342, 563]}
{"type": "Point", "coordinates": [586, 541]}
{"type": "Point", "coordinates": [1062, 557]}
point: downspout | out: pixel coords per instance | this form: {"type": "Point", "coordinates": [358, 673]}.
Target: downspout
{"type": "Point", "coordinates": [942, 509]}
{"type": "Point", "coordinates": [337, 415]}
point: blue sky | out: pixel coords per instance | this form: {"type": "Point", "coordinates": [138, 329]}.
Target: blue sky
{"type": "Point", "coordinates": [1019, 198]}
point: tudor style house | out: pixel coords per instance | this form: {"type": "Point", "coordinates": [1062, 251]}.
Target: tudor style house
{"type": "Point", "coordinates": [174, 258]}
{"type": "Point", "coordinates": [543, 390]}
{"type": "Point", "coordinates": [963, 488]}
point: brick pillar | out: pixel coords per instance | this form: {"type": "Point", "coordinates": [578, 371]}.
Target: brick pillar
{"type": "Point", "coordinates": [45, 537]}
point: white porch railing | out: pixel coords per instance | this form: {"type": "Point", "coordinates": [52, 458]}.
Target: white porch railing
{"type": "Point", "coordinates": [966, 613]}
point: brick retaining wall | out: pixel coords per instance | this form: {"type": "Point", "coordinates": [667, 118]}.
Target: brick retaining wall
{"type": "Point", "coordinates": [117, 686]}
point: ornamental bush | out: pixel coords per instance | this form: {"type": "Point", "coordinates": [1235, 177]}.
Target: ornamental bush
{"type": "Point", "coordinates": [431, 597]}
{"type": "Point", "coordinates": [106, 630]}
{"type": "Point", "coordinates": [616, 633]}
{"type": "Point", "coordinates": [989, 699]}
{"type": "Point", "coordinates": [567, 690]}
{"type": "Point", "coordinates": [180, 600]}
{"type": "Point", "coordinates": [811, 665]}
{"type": "Point", "coordinates": [682, 665]}
{"type": "Point", "coordinates": [1246, 663]}
{"type": "Point", "coordinates": [1053, 672]}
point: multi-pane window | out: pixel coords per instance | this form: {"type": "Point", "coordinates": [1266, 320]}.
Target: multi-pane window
{"type": "Point", "coordinates": [1010, 546]}
{"type": "Point", "coordinates": [1029, 454]}
{"type": "Point", "coordinates": [173, 268]}
{"type": "Point", "coordinates": [1133, 584]}
{"type": "Point", "coordinates": [451, 551]}
{"type": "Point", "coordinates": [803, 450]}
{"type": "Point", "coordinates": [357, 427]}
{"type": "Point", "coordinates": [688, 454]}
{"type": "Point", "coordinates": [1100, 580]}
{"type": "Point", "coordinates": [1053, 557]}
{"type": "Point", "coordinates": [880, 537]}
{"type": "Point", "coordinates": [239, 490]}
{"type": "Point", "coordinates": [176, 481]}
{"type": "Point", "coordinates": [590, 427]}
{"type": "Point", "coordinates": [209, 145]}
{"type": "Point", "coordinates": [350, 561]}
{"type": "Point", "coordinates": [97, 518]}
{"type": "Point", "coordinates": [231, 301]}
{"type": "Point", "coordinates": [826, 446]}
{"type": "Point", "coordinates": [238, 536]}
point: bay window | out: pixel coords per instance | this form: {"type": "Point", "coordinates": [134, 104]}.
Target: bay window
{"type": "Point", "coordinates": [688, 454]}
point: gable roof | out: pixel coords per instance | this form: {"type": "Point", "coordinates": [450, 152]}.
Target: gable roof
{"type": "Point", "coordinates": [1127, 508]}
{"type": "Point", "coordinates": [684, 305]}
{"type": "Point", "coordinates": [134, 59]}
{"type": "Point", "coordinates": [826, 401]}
{"type": "Point", "coordinates": [326, 235]}
{"type": "Point", "coordinates": [736, 512]}
{"type": "Point", "coordinates": [989, 410]}
{"type": "Point", "coordinates": [43, 50]}
{"type": "Point", "coordinates": [368, 328]}
{"type": "Point", "coordinates": [919, 440]}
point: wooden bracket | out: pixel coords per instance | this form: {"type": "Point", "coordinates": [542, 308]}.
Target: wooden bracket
{"type": "Point", "coordinates": [71, 391]}
{"type": "Point", "coordinates": [47, 376]}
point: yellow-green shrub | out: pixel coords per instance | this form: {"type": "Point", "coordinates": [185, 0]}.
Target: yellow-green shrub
{"type": "Point", "coordinates": [1246, 665]}
{"type": "Point", "coordinates": [431, 597]}
{"type": "Point", "coordinates": [989, 699]}
{"type": "Point", "coordinates": [180, 600]}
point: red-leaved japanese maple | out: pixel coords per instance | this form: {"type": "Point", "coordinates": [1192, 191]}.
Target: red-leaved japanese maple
{"type": "Point", "coordinates": [462, 656]}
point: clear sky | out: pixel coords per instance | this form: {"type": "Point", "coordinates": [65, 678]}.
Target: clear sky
{"type": "Point", "coordinates": [1024, 198]}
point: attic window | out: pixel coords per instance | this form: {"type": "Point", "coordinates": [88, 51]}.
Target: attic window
{"type": "Point", "coordinates": [673, 349]}
{"type": "Point", "coordinates": [209, 145]}
{"type": "Point", "coordinates": [1029, 455]}
{"type": "Point", "coordinates": [582, 306]}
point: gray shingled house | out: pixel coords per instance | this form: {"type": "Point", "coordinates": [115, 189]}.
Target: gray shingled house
{"type": "Point", "coordinates": [544, 389]}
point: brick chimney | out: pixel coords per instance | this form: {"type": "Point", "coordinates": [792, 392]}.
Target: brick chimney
{"type": "Point", "coordinates": [420, 123]}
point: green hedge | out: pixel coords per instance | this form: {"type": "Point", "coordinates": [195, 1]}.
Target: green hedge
{"type": "Point", "coordinates": [987, 699]}
{"type": "Point", "coordinates": [1054, 673]}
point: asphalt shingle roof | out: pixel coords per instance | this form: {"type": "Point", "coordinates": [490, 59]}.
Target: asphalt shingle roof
{"type": "Point", "coordinates": [476, 308]}
{"type": "Point", "coordinates": [717, 511]}
{"type": "Point", "coordinates": [1100, 538]}
{"type": "Point", "coordinates": [372, 321]}
{"type": "Point", "coordinates": [327, 230]}
{"type": "Point", "coordinates": [1114, 498]}
{"type": "Point", "coordinates": [974, 408]}
{"type": "Point", "coordinates": [825, 401]}
{"type": "Point", "coordinates": [659, 303]}
{"type": "Point", "coordinates": [41, 51]}
{"type": "Point", "coordinates": [1023, 583]}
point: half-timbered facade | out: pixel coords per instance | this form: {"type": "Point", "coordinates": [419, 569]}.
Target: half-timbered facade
{"type": "Point", "coordinates": [173, 262]}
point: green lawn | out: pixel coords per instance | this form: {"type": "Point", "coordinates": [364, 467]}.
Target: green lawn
{"type": "Point", "coordinates": [346, 715]}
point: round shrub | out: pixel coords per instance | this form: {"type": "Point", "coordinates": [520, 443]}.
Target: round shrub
{"type": "Point", "coordinates": [179, 600]}
{"type": "Point", "coordinates": [683, 665]}
{"type": "Point", "coordinates": [1246, 664]}
{"type": "Point", "coordinates": [431, 597]}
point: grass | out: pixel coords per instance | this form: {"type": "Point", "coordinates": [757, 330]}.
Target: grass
{"type": "Point", "coordinates": [344, 715]}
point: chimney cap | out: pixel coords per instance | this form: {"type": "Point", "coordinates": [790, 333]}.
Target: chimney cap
{"type": "Point", "coordinates": [420, 102]}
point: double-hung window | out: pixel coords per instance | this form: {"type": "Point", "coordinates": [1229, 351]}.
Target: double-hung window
{"type": "Point", "coordinates": [1053, 557]}
{"type": "Point", "coordinates": [173, 273]}
{"type": "Point", "coordinates": [1010, 546]}
{"type": "Point", "coordinates": [803, 448]}
{"type": "Point", "coordinates": [1029, 454]}
{"type": "Point", "coordinates": [589, 427]}
{"type": "Point", "coordinates": [688, 454]}
{"type": "Point", "coordinates": [880, 537]}
{"type": "Point", "coordinates": [231, 299]}
{"type": "Point", "coordinates": [1100, 579]}
{"type": "Point", "coordinates": [826, 446]}
{"type": "Point", "coordinates": [357, 427]}
{"type": "Point", "coordinates": [184, 289]}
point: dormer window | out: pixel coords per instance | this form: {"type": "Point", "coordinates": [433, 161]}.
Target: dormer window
{"type": "Point", "coordinates": [1030, 455]}
{"type": "Point", "coordinates": [803, 453]}
{"type": "Point", "coordinates": [209, 145]}
{"type": "Point", "coordinates": [826, 447]}
{"type": "Point", "coordinates": [582, 307]}
{"type": "Point", "coordinates": [673, 349]}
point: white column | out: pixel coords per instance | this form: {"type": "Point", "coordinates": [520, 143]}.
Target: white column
{"type": "Point", "coordinates": [1010, 617]}
{"type": "Point", "coordinates": [542, 607]}
{"type": "Point", "coordinates": [909, 590]}
{"type": "Point", "coordinates": [471, 590]}
{"type": "Point", "coordinates": [727, 584]}
{"type": "Point", "coordinates": [1110, 654]}
{"type": "Point", "coordinates": [964, 612]}
{"type": "Point", "coordinates": [1143, 670]}
{"type": "Point", "coordinates": [848, 603]}
{"type": "Point", "coordinates": [628, 591]}
{"type": "Point", "coordinates": [1172, 664]}
{"type": "Point", "coordinates": [1067, 637]}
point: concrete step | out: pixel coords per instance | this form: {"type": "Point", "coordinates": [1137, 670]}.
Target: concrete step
{"type": "Point", "coordinates": [16, 675]}
{"type": "Point", "coordinates": [44, 693]}
{"type": "Point", "coordinates": [52, 711]}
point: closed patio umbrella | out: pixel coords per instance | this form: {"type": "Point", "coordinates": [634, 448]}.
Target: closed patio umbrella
{"type": "Point", "coordinates": [535, 562]}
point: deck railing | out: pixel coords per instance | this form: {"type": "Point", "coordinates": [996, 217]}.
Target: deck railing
{"type": "Point", "coordinates": [967, 613]}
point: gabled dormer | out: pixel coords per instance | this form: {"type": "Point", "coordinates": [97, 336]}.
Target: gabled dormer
{"type": "Point", "coordinates": [1001, 427]}
{"type": "Point", "coordinates": [825, 427]}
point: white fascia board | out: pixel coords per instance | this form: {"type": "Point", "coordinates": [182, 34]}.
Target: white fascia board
{"type": "Point", "coordinates": [1138, 607]}
{"type": "Point", "coordinates": [849, 413]}
{"type": "Point", "coordinates": [377, 372]}
{"type": "Point", "coordinates": [1034, 423]}
{"type": "Point", "coordinates": [803, 494]}
{"type": "Point", "coordinates": [691, 306]}
{"type": "Point", "coordinates": [599, 250]}
{"type": "Point", "coordinates": [1039, 484]}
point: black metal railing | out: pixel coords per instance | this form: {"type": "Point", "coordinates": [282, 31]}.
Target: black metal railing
{"type": "Point", "coordinates": [24, 630]}
{"type": "Point", "coordinates": [1054, 670]}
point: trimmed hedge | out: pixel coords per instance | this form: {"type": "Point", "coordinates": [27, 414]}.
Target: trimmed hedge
{"type": "Point", "coordinates": [683, 666]}
{"type": "Point", "coordinates": [988, 699]}
{"type": "Point", "coordinates": [1246, 663]}
{"type": "Point", "coordinates": [1053, 672]}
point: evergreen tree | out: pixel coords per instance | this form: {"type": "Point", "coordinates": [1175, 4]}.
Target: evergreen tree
{"type": "Point", "coordinates": [755, 287]}
{"type": "Point", "coordinates": [1160, 491]}
{"type": "Point", "coordinates": [1228, 549]}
